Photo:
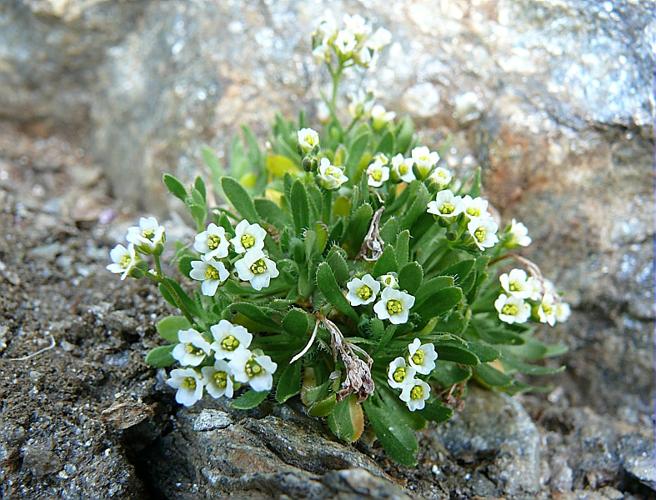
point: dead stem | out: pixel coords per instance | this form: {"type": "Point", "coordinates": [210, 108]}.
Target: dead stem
{"type": "Point", "coordinates": [372, 246]}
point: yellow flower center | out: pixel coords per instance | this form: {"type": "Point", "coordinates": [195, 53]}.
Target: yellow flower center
{"type": "Point", "coordinates": [332, 172]}
{"type": "Point", "coordinates": [211, 273]}
{"type": "Point", "coordinates": [247, 241]}
{"type": "Point", "coordinates": [403, 169]}
{"type": "Point", "coordinates": [447, 208]}
{"type": "Point", "coordinates": [364, 292]}
{"type": "Point", "coordinates": [418, 357]}
{"type": "Point", "coordinates": [474, 212]}
{"type": "Point", "coordinates": [394, 306]}
{"type": "Point", "coordinates": [125, 261]}
{"type": "Point", "coordinates": [377, 175]}
{"type": "Point", "coordinates": [230, 343]}
{"type": "Point", "coordinates": [189, 383]}
{"type": "Point", "coordinates": [399, 374]}
{"type": "Point", "coordinates": [547, 309]}
{"type": "Point", "coordinates": [192, 349]}
{"type": "Point", "coordinates": [309, 139]}
{"type": "Point", "coordinates": [253, 368]}
{"type": "Point", "coordinates": [417, 392]}
{"type": "Point", "coordinates": [221, 379]}
{"type": "Point", "coordinates": [148, 233]}
{"type": "Point", "coordinates": [480, 234]}
{"type": "Point", "coordinates": [258, 267]}
{"type": "Point", "coordinates": [213, 241]}
{"type": "Point", "coordinates": [514, 286]}
{"type": "Point", "coordinates": [510, 309]}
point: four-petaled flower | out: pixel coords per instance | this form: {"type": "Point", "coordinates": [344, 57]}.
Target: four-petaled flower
{"type": "Point", "coordinates": [147, 236]}
{"type": "Point", "coordinates": [441, 177]}
{"type": "Point", "coordinates": [212, 243]}
{"type": "Point", "coordinates": [330, 177]}
{"type": "Point", "coordinates": [512, 309]}
{"type": "Point", "coordinates": [210, 272]}
{"type": "Point", "coordinates": [446, 205]}
{"type": "Point", "coordinates": [400, 374]}
{"type": "Point", "coordinates": [248, 237]}
{"type": "Point", "coordinates": [547, 309]}
{"type": "Point", "coordinates": [389, 279]}
{"type": "Point", "coordinates": [381, 117]}
{"type": "Point", "coordinates": [123, 260]}
{"type": "Point", "coordinates": [517, 283]}
{"type": "Point", "coordinates": [394, 305]}
{"type": "Point", "coordinates": [402, 168]}
{"type": "Point", "coordinates": [256, 268]}
{"type": "Point", "coordinates": [377, 174]}
{"type": "Point", "coordinates": [218, 379]}
{"type": "Point", "coordinates": [563, 311]}
{"type": "Point", "coordinates": [415, 395]}
{"type": "Point", "coordinates": [253, 369]}
{"type": "Point", "coordinates": [518, 235]}
{"type": "Point", "coordinates": [308, 139]}
{"type": "Point", "coordinates": [422, 356]}
{"type": "Point", "coordinates": [189, 384]}
{"type": "Point", "coordinates": [363, 290]}
{"type": "Point", "coordinates": [484, 232]}
{"type": "Point", "coordinates": [474, 208]}
{"type": "Point", "coordinates": [229, 339]}
{"type": "Point", "coordinates": [192, 348]}
{"type": "Point", "coordinates": [425, 160]}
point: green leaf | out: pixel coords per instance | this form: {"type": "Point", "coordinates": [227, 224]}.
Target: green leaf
{"type": "Point", "coordinates": [331, 291]}
{"type": "Point", "coordinates": [491, 377]}
{"type": "Point", "coordinates": [430, 287]}
{"type": "Point", "coordinates": [239, 198]}
{"type": "Point", "coordinates": [475, 189]}
{"type": "Point", "coordinates": [390, 230]}
{"type": "Point", "coordinates": [271, 212]}
{"type": "Point", "coordinates": [161, 357]}
{"type": "Point", "coordinates": [404, 134]}
{"type": "Point", "coordinates": [355, 153]}
{"type": "Point", "coordinates": [386, 263]}
{"type": "Point", "coordinates": [403, 248]}
{"type": "Point", "coordinates": [299, 207]}
{"type": "Point", "coordinates": [456, 354]}
{"type": "Point", "coordinates": [289, 383]}
{"type": "Point", "coordinates": [446, 373]}
{"type": "Point", "coordinates": [347, 420]}
{"type": "Point", "coordinates": [200, 187]}
{"type": "Point", "coordinates": [398, 439]}
{"type": "Point", "coordinates": [169, 327]}
{"type": "Point", "coordinates": [513, 364]}
{"type": "Point", "coordinates": [323, 407]}
{"type": "Point", "coordinates": [357, 228]}
{"type": "Point", "coordinates": [440, 302]}
{"type": "Point", "coordinates": [279, 165]}
{"type": "Point", "coordinates": [175, 187]}
{"type": "Point", "coordinates": [436, 412]}
{"type": "Point", "coordinates": [249, 400]}
{"type": "Point", "coordinates": [417, 208]}
{"type": "Point", "coordinates": [258, 314]}
{"type": "Point", "coordinates": [459, 271]}
{"type": "Point", "coordinates": [338, 264]}
{"type": "Point", "coordinates": [296, 322]}
{"type": "Point", "coordinates": [175, 295]}
{"type": "Point", "coordinates": [483, 352]}
{"type": "Point", "coordinates": [386, 144]}
{"type": "Point", "coordinates": [410, 277]}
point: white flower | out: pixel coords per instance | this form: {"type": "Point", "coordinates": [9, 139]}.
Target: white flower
{"type": "Point", "coordinates": [212, 242]}
{"type": "Point", "coordinates": [307, 139]}
{"type": "Point", "coordinates": [547, 309]}
{"type": "Point", "coordinates": [228, 339]}
{"type": "Point", "coordinates": [389, 279]}
{"type": "Point", "coordinates": [415, 395]}
{"type": "Point", "coordinates": [380, 117]}
{"type": "Point", "coordinates": [361, 103]}
{"type": "Point", "coordinates": [536, 288]}
{"type": "Point", "coordinates": [192, 349]}
{"type": "Point", "coordinates": [381, 158]}
{"type": "Point", "coordinates": [147, 235]}
{"type": "Point", "coordinates": [422, 356]}
{"type": "Point", "coordinates": [327, 28]}
{"type": "Point", "coordinates": [518, 235]}
{"type": "Point", "coordinates": [256, 268]}
{"type": "Point", "coordinates": [394, 305]}
{"type": "Point", "coordinates": [123, 260]}
{"type": "Point", "coordinates": [218, 380]}
{"type": "Point", "coordinates": [322, 52]}
{"type": "Point", "coordinates": [425, 160]}
{"type": "Point", "coordinates": [377, 174]}
{"type": "Point", "coordinates": [475, 207]}
{"type": "Point", "coordinates": [379, 39]}
{"type": "Point", "coordinates": [402, 168]}
{"type": "Point", "coordinates": [330, 177]}
{"type": "Point", "coordinates": [254, 369]}
{"type": "Point", "coordinates": [248, 237]}
{"type": "Point", "coordinates": [362, 291]}
{"type": "Point", "coordinates": [441, 177]}
{"type": "Point", "coordinates": [356, 25]}
{"type": "Point", "coordinates": [517, 283]}
{"type": "Point", "coordinates": [399, 374]}
{"type": "Point", "coordinates": [210, 272]}
{"type": "Point", "coordinates": [189, 384]}
{"type": "Point", "coordinates": [345, 43]}
{"type": "Point", "coordinates": [446, 205]}
{"type": "Point", "coordinates": [484, 232]}
{"type": "Point", "coordinates": [512, 309]}
{"type": "Point", "coordinates": [563, 312]}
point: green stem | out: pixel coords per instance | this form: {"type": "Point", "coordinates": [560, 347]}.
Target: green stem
{"type": "Point", "coordinates": [327, 205]}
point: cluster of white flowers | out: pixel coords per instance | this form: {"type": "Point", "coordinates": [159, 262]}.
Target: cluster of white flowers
{"type": "Point", "coordinates": [481, 226]}
{"type": "Point", "coordinates": [213, 244]}
{"type": "Point", "coordinates": [355, 42]}
{"type": "Point", "coordinates": [402, 374]}
{"type": "Point", "coordinates": [393, 305]}
{"type": "Point", "coordinates": [420, 164]}
{"type": "Point", "coordinates": [146, 238]}
{"type": "Point", "coordinates": [232, 363]}
{"type": "Point", "coordinates": [523, 295]}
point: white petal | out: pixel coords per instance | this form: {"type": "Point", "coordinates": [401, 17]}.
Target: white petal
{"type": "Point", "coordinates": [209, 287]}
